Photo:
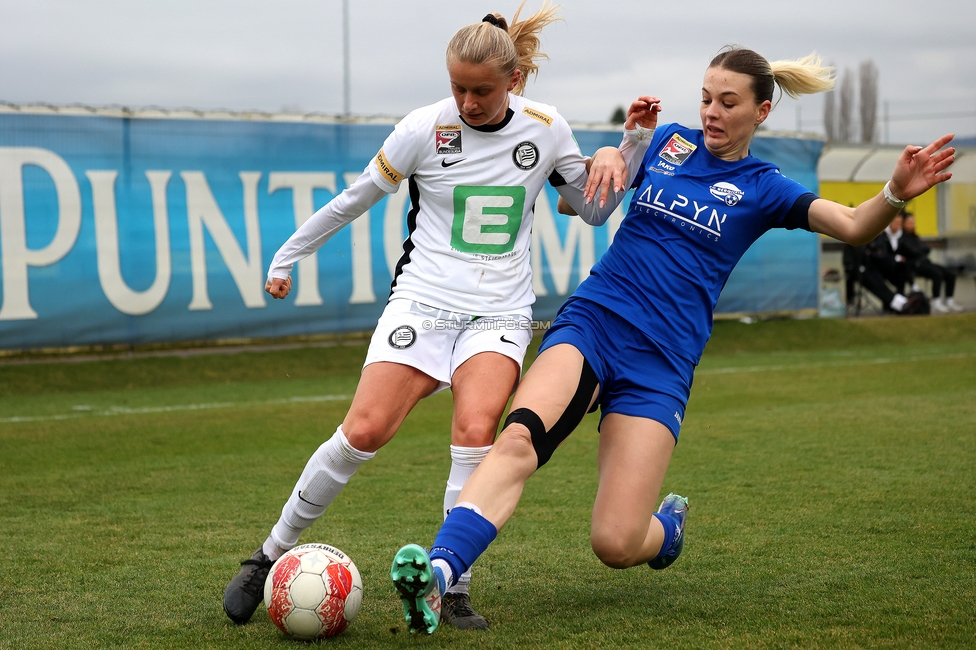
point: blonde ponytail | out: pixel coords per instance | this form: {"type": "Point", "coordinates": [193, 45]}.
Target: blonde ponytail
{"type": "Point", "coordinates": [506, 47]}
{"type": "Point", "coordinates": [806, 76]}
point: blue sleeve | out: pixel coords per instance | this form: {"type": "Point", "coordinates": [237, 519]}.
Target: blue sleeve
{"type": "Point", "coordinates": [786, 203]}
{"type": "Point", "coordinates": [661, 134]}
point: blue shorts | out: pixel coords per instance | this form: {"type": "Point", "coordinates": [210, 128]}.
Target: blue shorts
{"type": "Point", "coordinates": [637, 375]}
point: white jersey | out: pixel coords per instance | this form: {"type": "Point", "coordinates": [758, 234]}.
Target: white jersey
{"type": "Point", "coordinates": [472, 194]}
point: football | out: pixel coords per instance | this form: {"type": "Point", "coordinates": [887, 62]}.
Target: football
{"type": "Point", "coordinates": [313, 591]}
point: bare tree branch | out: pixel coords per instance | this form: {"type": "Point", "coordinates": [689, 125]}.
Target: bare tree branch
{"type": "Point", "coordinates": [869, 101]}
{"type": "Point", "coordinates": [845, 123]}
{"type": "Point", "coordinates": [830, 116]}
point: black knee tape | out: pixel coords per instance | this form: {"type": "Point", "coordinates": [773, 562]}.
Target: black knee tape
{"type": "Point", "coordinates": [528, 419]}
{"type": "Point", "coordinates": [545, 442]}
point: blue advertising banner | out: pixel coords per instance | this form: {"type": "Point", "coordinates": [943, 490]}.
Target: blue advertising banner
{"type": "Point", "coordinates": [131, 230]}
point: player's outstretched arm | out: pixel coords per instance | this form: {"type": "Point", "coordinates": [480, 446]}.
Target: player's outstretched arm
{"type": "Point", "coordinates": [605, 171]}
{"type": "Point", "coordinates": [918, 170]}
{"type": "Point", "coordinates": [611, 170]}
{"type": "Point", "coordinates": [352, 202]}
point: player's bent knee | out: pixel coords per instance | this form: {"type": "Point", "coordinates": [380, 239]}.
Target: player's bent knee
{"type": "Point", "coordinates": [474, 431]}
{"type": "Point", "coordinates": [542, 442]}
{"type": "Point", "coordinates": [366, 434]}
{"type": "Point", "coordinates": [545, 441]}
{"type": "Point", "coordinates": [614, 551]}
{"type": "Point", "coordinates": [515, 442]}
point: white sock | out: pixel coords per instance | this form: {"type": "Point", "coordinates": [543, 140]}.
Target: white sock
{"type": "Point", "coordinates": [898, 302]}
{"type": "Point", "coordinates": [446, 570]}
{"type": "Point", "coordinates": [464, 460]}
{"type": "Point", "coordinates": [325, 474]}
{"type": "Point", "coordinates": [272, 550]}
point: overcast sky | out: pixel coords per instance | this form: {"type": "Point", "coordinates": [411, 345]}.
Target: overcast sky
{"type": "Point", "coordinates": [287, 55]}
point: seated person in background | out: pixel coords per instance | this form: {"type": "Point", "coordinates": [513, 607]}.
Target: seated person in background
{"type": "Point", "coordinates": [876, 262]}
{"type": "Point", "coordinates": [872, 280]}
{"type": "Point", "coordinates": [916, 254]}
{"type": "Point", "coordinates": [883, 255]}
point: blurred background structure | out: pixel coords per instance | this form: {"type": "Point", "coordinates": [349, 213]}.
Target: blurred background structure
{"type": "Point", "coordinates": [152, 158]}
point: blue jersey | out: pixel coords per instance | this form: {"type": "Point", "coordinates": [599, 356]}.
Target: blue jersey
{"type": "Point", "coordinates": [691, 219]}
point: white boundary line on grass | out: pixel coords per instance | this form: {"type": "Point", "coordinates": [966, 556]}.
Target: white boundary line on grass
{"type": "Point", "coordinates": [839, 363]}
{"type": "Point", "coordinates": [124, 410]}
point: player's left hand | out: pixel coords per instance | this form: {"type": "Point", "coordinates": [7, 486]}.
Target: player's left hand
{"type": "Point", "coordinates": [920, 168]}
{"type": "Point", "coordinates": [607, 169]}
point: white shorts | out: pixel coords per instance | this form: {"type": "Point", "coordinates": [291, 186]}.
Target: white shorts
{"type": "Point", "coordinates": [437, 341]}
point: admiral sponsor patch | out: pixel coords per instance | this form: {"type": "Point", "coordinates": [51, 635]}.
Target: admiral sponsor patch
{"type": "Point", "coordinates": [447, 139]}
{"type": "Point", "coordinates": [525, 155]}
{"type": "Point", "coordinates": [387, 169]}
{"type": "Point", "coordinates": [677, 150]}
{"type": "Point", "coordinates": [403, 337]}
{"type": "Point", "coordinates": [727, 192]}
{"type": "Point", "coordinates": [536, 115]}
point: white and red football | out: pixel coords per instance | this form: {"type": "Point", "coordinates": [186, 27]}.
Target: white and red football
{"type": "Point", "coordinates": [313, 591]}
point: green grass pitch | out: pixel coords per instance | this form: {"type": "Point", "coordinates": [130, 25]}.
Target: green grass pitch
{"type": "Point", "coordinates": [830, 465]}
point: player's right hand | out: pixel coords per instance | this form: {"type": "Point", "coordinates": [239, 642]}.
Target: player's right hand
{"type": "Point", "coordinates": [643, 112]}
{"type": "Point", "coordinates": [278, 288]}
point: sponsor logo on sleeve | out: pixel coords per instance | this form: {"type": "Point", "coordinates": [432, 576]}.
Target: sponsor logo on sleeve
{"type": "Point", "coordinates": [525, 155]}
{"type": "Point", "coordinates": [677, 150]}
{"type": "Point", "coordinates": [726, 192]}
{"type": "Point", "coordinates": [536, 115]}
{"type": "Point", "coordinates": [387, 169]}
{"type": "Point", "coordinates": [447, 139]}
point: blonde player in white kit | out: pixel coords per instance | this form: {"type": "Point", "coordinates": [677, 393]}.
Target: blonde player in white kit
{"type": "Point", "coordinates": [461, 302]}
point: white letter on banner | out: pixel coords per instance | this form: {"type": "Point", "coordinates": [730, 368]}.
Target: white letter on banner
{"type": "Point", "coordinates": [362, 255]}
{"type": "Point", "coordinates": [613, 223]}
{"type": "Point", "coordinates": [13, 230]}
{"type": "Point", "coordinates": [202, 210]}
{"type": "Point", "coordinates": [302, 185]}
{"type": "Point", "coordinates": [127, 301]}
{"type": "Point", "coordinates": [545, 236]}
{"type": "Point", "coordinates": [393, 227]}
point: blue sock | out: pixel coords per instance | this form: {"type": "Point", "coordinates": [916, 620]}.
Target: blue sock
{"type": "Point", "coordinates": [670, 532]}
{"type": "Point", "coordinates": [463, 537]}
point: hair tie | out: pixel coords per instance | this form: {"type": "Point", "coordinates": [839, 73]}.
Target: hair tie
{"type": "Point", "coordinates": [490, 18]}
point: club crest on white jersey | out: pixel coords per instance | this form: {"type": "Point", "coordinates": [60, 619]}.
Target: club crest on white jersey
{"type": "Point", "coordinates": [525, 155]}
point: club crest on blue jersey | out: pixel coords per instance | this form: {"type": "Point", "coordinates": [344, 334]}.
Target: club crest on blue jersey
{"type": "Point", "coordinates": [726, 192]}
{"type": "Point", "coordinates": [525, 155]}
{"type": "Point", "coordinates": [447, 139]}
{"type": "Point", "coordinates": [677, 150]}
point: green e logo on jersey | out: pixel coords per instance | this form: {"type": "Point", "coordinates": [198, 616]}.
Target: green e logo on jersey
{"type": "Point", "coordinates": [487, 219]}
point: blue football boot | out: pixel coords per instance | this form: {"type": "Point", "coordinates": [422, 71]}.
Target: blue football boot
{"type": "Point", "coordinates": [677, 507]}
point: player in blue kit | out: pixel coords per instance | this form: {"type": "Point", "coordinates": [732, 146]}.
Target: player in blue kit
{"type": "Point", "coordinates": [630, 337]}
